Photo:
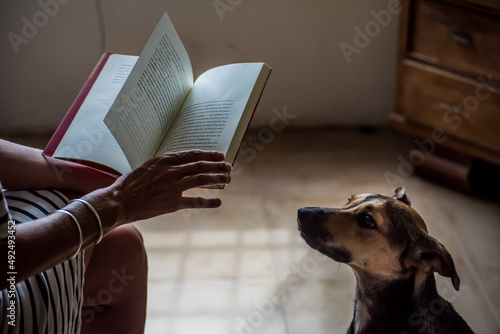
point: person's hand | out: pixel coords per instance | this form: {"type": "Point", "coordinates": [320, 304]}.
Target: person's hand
{"type": "Point", "coordinates": [157, 186]}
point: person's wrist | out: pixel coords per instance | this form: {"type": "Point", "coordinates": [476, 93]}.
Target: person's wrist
{"type": "Point", "coordinates": [108, 204]}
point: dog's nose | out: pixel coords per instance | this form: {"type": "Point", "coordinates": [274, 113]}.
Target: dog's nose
{"type": "Point", "coordinates": [309, 214]}
{"type": "Point", "coordinates": [310, 223]}
{"type": "Point", "coordinates": [303, 214]}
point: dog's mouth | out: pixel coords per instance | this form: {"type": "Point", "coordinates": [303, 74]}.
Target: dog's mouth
{"type": "Point", "coordinates": [309, 224]}
{"type": "Point", "coordinates": [318, 238]}
{"type": "Point", "coordinates": [312, 230]}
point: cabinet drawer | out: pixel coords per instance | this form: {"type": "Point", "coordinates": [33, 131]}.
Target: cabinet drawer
{"type": "Point", "coordinates": [455, 38]}
{"type": "Point", "coordinates": [460, 106]}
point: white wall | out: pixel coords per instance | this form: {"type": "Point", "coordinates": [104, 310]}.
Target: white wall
{"type": "Point", "coordinates": [299, 39]}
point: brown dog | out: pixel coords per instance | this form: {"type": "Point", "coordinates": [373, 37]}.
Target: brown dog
{"type": "Point", "coordinates": [385, 241]}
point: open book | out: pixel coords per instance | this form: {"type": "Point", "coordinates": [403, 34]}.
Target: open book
{"type": "Point", "coordinates": [134, 108]}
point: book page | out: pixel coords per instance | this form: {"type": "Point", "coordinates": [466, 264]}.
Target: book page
{"type": "Point", "coordinates": [87, 138]}
{"type": "Point", "coordinates": [152, 95]}
{"type": "Point", "coordinates": [213, 110]}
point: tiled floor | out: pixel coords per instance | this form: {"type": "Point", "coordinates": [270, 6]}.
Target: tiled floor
{"type": "Point", "coordinates": [243, 268]}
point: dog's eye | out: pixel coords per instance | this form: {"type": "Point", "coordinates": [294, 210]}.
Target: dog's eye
{"type": "Point", "coordinates": [366, 220]}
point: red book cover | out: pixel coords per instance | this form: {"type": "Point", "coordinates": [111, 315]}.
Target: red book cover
{"type": "Point", "coordinates": [70, 115]}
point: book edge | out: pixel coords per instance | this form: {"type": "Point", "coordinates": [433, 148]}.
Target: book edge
{"type": "Point", "coordinates": [234, 146]}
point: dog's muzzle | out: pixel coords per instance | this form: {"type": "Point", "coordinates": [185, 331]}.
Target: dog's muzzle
{"type": "Point", "coordinates": [311, 225]}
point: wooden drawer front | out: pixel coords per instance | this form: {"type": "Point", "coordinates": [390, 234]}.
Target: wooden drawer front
{"type": "Point", "coordinates": [460, 106]}
{"type": "Point", "coordinates": [456, 38]}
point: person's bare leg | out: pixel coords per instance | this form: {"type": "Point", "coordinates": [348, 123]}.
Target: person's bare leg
{"type": "Point", "coordinates": [115, 289]}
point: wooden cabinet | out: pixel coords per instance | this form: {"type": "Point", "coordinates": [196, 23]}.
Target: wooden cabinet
{"type": "Point", "coordinates": [448, 82]}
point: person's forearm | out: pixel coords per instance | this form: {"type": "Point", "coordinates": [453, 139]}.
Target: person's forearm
{"type": "Point", "coordinates": [155, 188]}
{"type": "Point", "coordinates": [42, 244]}
{"type": "Point", "coordinates": [23, 167]}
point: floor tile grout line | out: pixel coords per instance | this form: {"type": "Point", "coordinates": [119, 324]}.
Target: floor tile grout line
{"type": "Point", "coordinates": [261, 185]}
{"type": "Point", "coordinates": [470, 267]}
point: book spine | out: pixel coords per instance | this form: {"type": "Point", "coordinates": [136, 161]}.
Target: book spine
{"type": "Point", "coordinates": [73, 110]}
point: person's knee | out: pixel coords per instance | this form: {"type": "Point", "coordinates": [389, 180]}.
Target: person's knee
{"type": "Point", "coordinates": [130, 234]}
{"type": "Point", "coordinates": [117, 269]}
{"type": "Point", "coordinates": [132, 244]}
{"type": "Point", "coordinates": [124, 247]}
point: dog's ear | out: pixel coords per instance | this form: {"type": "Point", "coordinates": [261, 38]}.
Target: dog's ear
{"type": "Point", "coordinates": [429, 255]}
{"type": "Point", "coordinates": [400, 194]}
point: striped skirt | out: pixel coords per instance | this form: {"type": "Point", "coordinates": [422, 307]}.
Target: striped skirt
{"type": "Point", "coordinates": [51, 301]}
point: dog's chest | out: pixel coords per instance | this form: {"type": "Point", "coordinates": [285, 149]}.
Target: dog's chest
{"type": "Point", "coordinates": [361, 316]}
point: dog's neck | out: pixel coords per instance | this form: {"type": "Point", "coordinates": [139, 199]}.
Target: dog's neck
{"type": "Point", "coordinates": [394, 307]}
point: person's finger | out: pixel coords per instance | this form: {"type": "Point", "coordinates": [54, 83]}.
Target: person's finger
{"type": "Point", "coordinates": [202, 180]}
{"type": "Point", "coordinates": [199, 203]}
{"type": "Point", "coordinates": [203, 167]}
{"type": "Point", "coordinates": [186, 157]}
